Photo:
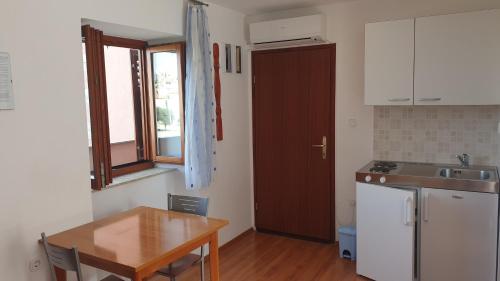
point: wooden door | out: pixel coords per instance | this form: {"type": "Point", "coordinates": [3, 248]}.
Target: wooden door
{"type": "Point", "coordinates": [293, 102]}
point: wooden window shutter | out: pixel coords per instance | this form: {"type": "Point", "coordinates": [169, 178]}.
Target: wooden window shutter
{"type": "Point", "coordinates": [96, 77]}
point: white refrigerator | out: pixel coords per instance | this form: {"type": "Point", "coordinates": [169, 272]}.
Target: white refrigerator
{"type": "Point", "coordinates": [408, 234]}
{"type": "Point", "coordinates": [458, 235]}
{"type": "Point", "coordinates": [385, 225]}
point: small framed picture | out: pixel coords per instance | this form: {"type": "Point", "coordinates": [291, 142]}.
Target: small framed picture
{"type": "Point", "coordinates": [238, 59]}
{"type": "Point", "coordinates": [229, 59]}
{"type": "Point", "coordinates": [6, 95]}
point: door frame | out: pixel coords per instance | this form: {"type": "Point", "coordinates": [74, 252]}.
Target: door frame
{"type": "Point", "coordinates": [331, 141]}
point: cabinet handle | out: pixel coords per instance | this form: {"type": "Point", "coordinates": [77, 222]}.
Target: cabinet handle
{"type": "Point", "coordinates": [425, 209]}
{"type": "Point", "coordinates": [399, 99]}
{"type": "Point", "coordinates": [429, 99]}
{"type": "Point", "coordinates": [408, 211]}
{"type": "Point", "coordinates": [457, 196]}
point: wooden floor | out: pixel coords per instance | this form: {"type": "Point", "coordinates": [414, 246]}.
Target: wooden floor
{"type": "Point", "coordinates": [265, 257]}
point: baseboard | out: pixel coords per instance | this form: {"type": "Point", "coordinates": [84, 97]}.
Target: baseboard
{"type": "Point", "coordinates": [237, 238]}
{"type": "Point", "coordinates": [300, 237]}
{"type": "Point", "coordinates": [232, 241]}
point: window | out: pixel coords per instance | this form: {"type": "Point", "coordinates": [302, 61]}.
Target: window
{"type": "Point", "coordinates": [166, 87]}
{"type": "Point", "coordinates": [132, 121]}
{"type": "Point", "coordinates": [123, 91]}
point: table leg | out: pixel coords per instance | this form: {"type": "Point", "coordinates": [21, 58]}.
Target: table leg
{"type": "Point", "coordinates": [60, 274]}
{"type": "Point", "coordinates": [138, 277]}
{"type": "Point", "coordinates": [214, 257]}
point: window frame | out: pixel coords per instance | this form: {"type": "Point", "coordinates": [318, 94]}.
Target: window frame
{"type": "Point", "coordinates": [179, 48]}
{"type": "Point", "coordinates": [103, 171]}
{"type": "Point", "coordinates": [147, 163]}
{"type": "Point", "coordinates": [95, 41]}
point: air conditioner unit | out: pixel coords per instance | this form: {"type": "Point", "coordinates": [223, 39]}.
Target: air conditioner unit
{"type": "Point", "coordinates": [288, 32]}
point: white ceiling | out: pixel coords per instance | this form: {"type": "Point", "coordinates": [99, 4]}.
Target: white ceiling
{"type": "Point", "coordinates": [253, 7]}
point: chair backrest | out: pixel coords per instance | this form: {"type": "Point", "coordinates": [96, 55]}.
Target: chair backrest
{"type": "Point", "coordinates": [62, 258]}
{"type": "Point", "coordinates": [188, 204]}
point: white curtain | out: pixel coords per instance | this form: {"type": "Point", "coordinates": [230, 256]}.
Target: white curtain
{"type": "Point", "coordinates": [199, 102]}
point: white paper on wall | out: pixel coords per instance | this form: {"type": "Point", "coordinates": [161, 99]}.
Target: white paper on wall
{"type": "Point", "coordinates": [6, 95]}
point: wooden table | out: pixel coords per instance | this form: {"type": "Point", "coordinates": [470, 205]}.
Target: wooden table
{"type": "Point", "coordinates": [138, 242]}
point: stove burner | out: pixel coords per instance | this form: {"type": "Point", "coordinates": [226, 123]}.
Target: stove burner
{"type": "Point", "coordinates": [380, 170]}
{"type": "Point", "coordinates": [391, 165]}
{"type": "Point", "coordinates": [383, 167]}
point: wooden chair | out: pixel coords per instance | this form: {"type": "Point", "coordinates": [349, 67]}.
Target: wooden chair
{"type": "Point", "coordinates": [191, 205]}
{"type": "Point", "coordinates": [67, 260]}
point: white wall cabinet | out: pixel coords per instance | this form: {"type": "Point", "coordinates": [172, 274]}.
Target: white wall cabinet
{"type": "Point", "coordinates": [385, 224]}
{"type": "Point", "coordinates": [457, 59]}
{"type": "Point", "coordinates": [439, 60]}
{"type": "Point", "coordinates": [458, 230]}
{"type": "Point", "coordinates": [389, 63]}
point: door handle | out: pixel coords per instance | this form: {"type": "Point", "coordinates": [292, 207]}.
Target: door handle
{"type": "Point", "coordinates": [425, 209]}
{"type": "Point", "coordinates": [323, 147]}
{"type": "Point", "coordinates": [408, 212]}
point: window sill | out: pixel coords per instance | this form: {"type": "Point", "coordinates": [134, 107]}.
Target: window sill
{"type": "Point", "coordinates": [170, 166]}
{"type": "Point", "coordinates": [117, 181]}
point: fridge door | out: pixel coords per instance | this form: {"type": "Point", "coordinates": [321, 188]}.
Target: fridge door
{"type": "Point", "coordinates": [458, 235]}
{"type": "Point", "coordinates": [385, 220]}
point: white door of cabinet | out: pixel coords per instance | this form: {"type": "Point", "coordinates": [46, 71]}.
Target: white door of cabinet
{"type": "Point", "coordinates": [389, 62]}
{"type": "Point", "coordinates": [385, 225]}
{"type": "Point", "coordinates": [458, 235]}
{"type": "Point", "coordinates": [457, 59]}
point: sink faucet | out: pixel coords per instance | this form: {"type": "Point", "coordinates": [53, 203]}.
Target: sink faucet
{"type": "Point", "coordinates": [464, 160]}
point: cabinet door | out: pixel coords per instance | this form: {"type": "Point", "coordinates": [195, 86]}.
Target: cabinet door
{"type": "Point", "coordinates": [457, 59]}
{"type": "Point", "coordinates": [389, 62]}
{"type": "Point", "coordinates": [458, 235]}
{"type": "Point", "coordinates": [385, 232]}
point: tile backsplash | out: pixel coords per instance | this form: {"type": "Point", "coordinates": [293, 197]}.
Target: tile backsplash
{"type": "Point", "coordinates": [437, 133]}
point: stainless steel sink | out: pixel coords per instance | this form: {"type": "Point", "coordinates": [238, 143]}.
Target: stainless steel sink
{"type": "Point", "coordinates": [466, 174]}
{"type": "Point", "coordinates": [443, 176]}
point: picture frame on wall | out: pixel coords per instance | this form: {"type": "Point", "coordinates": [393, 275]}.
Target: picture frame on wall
{"type": "Point", "coordinates": [229, 60]}
{"type": "Point", "coordinates": [6, 95]}
{"type": "Point", "coordinates": [238, 59]}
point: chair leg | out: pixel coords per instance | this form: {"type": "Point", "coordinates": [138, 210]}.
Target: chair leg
{"type": "Point", "coordinates": [202, 270]}
{"type": "Point", "coordinates": [172, 278]}
{"type": "Point", "coordinates": [202, 265]}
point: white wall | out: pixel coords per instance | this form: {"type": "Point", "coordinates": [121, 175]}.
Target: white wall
{"type": "Point", "coordinates": [44, 162]}
{"type": "Point", "coordinates": [345, 27]}
{"type": "Point", "coordinates": [231, 192]}
{"type": "Point", "coordinates": [153, 16]}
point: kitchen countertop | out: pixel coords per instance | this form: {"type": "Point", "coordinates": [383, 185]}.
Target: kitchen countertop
{"type": "Point", "coordinates": [413, 174]}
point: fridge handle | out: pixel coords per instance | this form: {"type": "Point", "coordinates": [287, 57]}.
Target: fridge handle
{"type": "Point", "coordinates": [425, 209]}
{"type": "Point", "coordinates": [408, 220]}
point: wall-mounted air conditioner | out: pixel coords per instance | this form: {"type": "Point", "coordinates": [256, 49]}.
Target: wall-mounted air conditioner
{"type": "Point", "coordinates": [288, 32]}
